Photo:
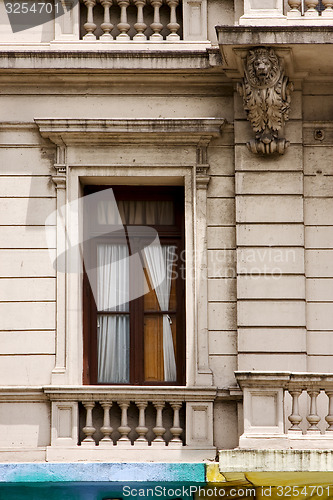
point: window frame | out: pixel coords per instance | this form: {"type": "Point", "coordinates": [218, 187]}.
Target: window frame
{"type": "Point", "coordinates": [168, 235]}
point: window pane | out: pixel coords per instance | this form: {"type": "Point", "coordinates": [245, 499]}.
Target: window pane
{"type": "Point", "coordinates": [112, 277]}
{"type": "Point", "coordinates": [160, 262]}
{"type": "Point", "coordinates": [154, 352]}
{"type": "Point", "coordinates": [113, 330]}
{"type": "Point", "coordinates": [150, 298]}
{"type": "Point", "coordinates": [113, 349]}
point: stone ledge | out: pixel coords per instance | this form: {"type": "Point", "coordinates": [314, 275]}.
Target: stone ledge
{"type": "Point", "coordinates": [117, 455]}
{"type": "Point", "coordinates": [99, 472]}
{"type": "Point", "coordinates": [102, 60]}
{"type": "Point", "coordinates": [274, 35]}
{"type": "Point", "coordinates": [94, 393]}
{"type": "Point", "coordinates": [275, 460]}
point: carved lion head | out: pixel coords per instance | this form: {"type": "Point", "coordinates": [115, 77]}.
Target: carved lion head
{"type": "Point", "coordinates": [263, 68]}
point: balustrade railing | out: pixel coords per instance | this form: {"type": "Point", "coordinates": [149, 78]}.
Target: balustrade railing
{"type": "Point", "coordinates": [125, 20]}
{"type": "Point", "coordinates": [95, 419]}
{"type": "Point", "coordinates": [310, 8]}
{"type": "Point", "coordinates": [295, 407]}
{"type": "Point", "coordinates": [132, 423]}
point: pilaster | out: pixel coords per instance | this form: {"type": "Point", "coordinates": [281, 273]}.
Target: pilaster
{"type": "Point", "coordinates": [67, 20]}
{"type": "Point", "coordinates": [60, 181]}
{"type": "Point", "coordinates": [204, 374]}
{"type": "Point", "coordinates": [195, 19]}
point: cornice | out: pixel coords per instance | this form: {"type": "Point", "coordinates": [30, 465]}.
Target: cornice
{"type": "Point", "coordinates": [124, 131]}
{"type": "Point", "coordinates": [46, 60]}
{"type": "Point", "coordinates": [18, 394]}
{"type": "Point", "coordinates": [275, 35]}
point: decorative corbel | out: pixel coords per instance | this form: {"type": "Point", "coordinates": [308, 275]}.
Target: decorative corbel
{"type": "Point", "coordinates": [60, 177]}
{"type": "Point", "coordinates": [266, 95]}
{"type": "Point", "coordinates": [202, 165]}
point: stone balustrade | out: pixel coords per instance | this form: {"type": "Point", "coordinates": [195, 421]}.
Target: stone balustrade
{"type": "Point", "coordinates": [310, 8]}
{"type": "Point", "coordinates": [114, 420]}
{"type": "Point", "coordinates": [137, 20]}
{"type": "Point", "coordinates": [139, 422]}
{"type": "Point", "coordinates": [282, 13]}
{"type": "Point", "coordinates": [287, 410]}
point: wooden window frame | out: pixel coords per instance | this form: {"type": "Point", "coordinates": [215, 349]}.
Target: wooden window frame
{"type": "Point", "coordinates": [168, 235]}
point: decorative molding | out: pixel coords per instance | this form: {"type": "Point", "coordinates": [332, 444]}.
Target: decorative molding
{"type": "Point", "coordinates": [22, 394]}
{"type": "Point", "coordinates": [266, 95]}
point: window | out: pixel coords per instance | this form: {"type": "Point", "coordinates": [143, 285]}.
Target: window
{"type": "Point", "coordinates": [134, 314]}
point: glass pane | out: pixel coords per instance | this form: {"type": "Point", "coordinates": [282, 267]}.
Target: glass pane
{"type": "Point", "coordinates": [161, 277]}
{"type": "Point", "coordinates": [112, 277]}
{"type": "Point", "coordinates": [113, 349]}
{"type": "Point", "coordinates": [154, 366]}
{"type": "Point", "coordinates": [151, 302]}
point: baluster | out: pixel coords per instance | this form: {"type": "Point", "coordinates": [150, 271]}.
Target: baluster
{"type": "Point", "coordinates": [295, 7]}
{"type": "Point", "coordinates": [124, 429]}
{"type": "Point", "coordinates": [159, 430]}
{"type": "Point", "coordinates": [141, 429]}
{"type": "Point", "coordinates": [140, 26]}
{"type": "Point", "coordinates": [89, 430]}
{"type": "Point", "coordinates": [313, 418]}
{"type": "Point", "coordinates": [156, 26]}
{"type": "Point", "coordinates": [106, 25]}
{"type": "Point", "coordinates": [328, 4]}
{"type": "Point", "coordinates": [329, 418]}
{"type": "Point", "coordinates": [176, 430]}
{"type": "Point", "coordinates": [311, 8]}
{"type": "Point", "coordinates": [295, 418]}
{"type": "Point", "coordinates": [173, 26]}
{"type": "Point", "coordinates": [123, 26]}
{"type": "Point", "coordinates": [90, 26]}
{"type": "Point", "coordinates": [106, 429]}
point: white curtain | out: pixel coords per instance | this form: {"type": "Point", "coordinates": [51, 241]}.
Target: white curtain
{"type": "Point", "coordinates": [160, 267]}
{"type": "Point", "coordinates": [135, 212]}
{"type": "Point", "coordinates": [113, 330]}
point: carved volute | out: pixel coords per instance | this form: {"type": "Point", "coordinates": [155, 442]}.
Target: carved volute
{"type": "Point", "coordinates": [266, 95]}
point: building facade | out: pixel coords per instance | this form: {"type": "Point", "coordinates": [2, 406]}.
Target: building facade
{"type": "Point", "coordinates": [166, 238]}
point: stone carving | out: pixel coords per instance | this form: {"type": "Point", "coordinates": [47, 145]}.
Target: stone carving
{"type": "Point", "coordinates": [266, 94]}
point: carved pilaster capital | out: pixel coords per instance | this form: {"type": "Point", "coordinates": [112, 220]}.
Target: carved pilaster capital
{"type": "Point", "coordinates": [202, 167]}
{"type": "Point", "coordinates": [59, 180]}
{"type": "Point", "coordinates": [266, 96]}
{"type": "Point", "coordinates": [202, 176]}
{"type": "Point", "coordinates": [60, 166]}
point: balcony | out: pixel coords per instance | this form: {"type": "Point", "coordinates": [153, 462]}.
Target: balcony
{"type": "Point", "coordinates": [284, 410]}
{"type": "Point", "coordinates": [110, 25]}
{"type": "Point", "coordinates": [125, 20]}
{"type": "Point", "coordinates": [122, 424]}
{"type": "Point", "coordinates": [287, 13]}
